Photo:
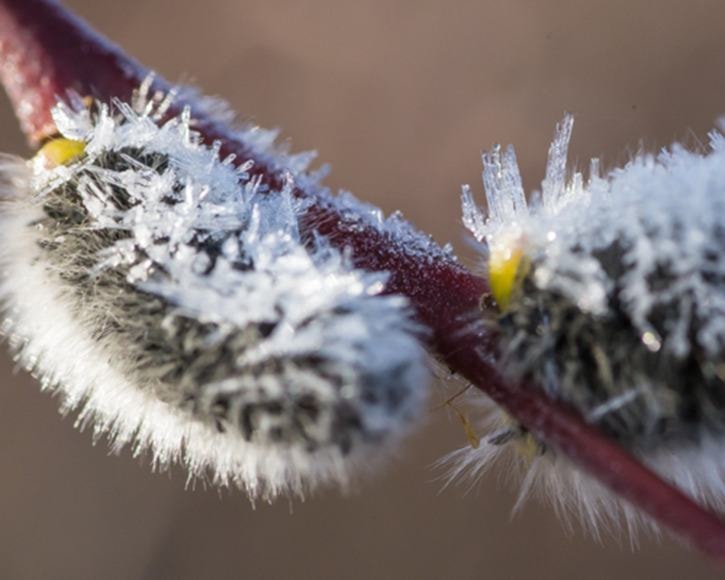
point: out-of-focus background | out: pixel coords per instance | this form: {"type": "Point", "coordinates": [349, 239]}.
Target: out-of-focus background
{"type": "Point", "coordinates": [400, 96]}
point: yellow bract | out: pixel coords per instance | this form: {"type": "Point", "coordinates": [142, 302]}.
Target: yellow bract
{"type": "Point", "coordinates": [524, 443]}
{"type": "Point", "coordinates": [527, 447]}
{"type": "Point", "coordinates": [504, 269]}
{"type": "Point", "coordinates": [60, 152]}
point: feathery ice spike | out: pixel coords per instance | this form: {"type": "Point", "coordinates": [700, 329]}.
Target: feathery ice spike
{"type": "Point", "coordinates": [46, 51]}
{"type": "Point", "coordinates": [612, 299]}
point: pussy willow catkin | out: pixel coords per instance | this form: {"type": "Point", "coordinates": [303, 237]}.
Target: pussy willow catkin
{"type": "Point", "coordinates": [168, 296]}
{"type": "Point", "coordinates": [611, 298]}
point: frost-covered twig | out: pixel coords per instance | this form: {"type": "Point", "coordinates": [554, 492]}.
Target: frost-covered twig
{"type": "Point", "coordinates": [46, 52]}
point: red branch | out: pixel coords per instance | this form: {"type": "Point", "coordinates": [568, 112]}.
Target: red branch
{"type": "Point", "coordinates": [45, 51]}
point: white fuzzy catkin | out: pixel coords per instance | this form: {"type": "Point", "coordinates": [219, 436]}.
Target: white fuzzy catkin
{"type": "Point", "coordinates": [636, 258]}
{"type": "Point", "coordinates": [288, 369]}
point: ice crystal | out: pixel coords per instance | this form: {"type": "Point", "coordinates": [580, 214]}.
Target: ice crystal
{"type": "Point", "coordinates": [170, 296]}
{"type": "Point", "coordinates": [356, 215]}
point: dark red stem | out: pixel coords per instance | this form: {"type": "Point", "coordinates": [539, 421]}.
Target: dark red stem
{"type": "Point", "coordinates": [45, 51]}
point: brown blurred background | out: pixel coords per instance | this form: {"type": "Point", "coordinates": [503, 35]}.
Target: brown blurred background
{"type": "Point", "coordinates": [400, 96]}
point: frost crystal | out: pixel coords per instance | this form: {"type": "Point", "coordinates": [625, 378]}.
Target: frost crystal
{"type": "Point", "coordinates": [171, 297]}
{"type": "Point", "coordinates": [355, 215]}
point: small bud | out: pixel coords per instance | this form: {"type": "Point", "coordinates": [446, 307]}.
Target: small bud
{"type": "Point", "coordinates": [58, 152]}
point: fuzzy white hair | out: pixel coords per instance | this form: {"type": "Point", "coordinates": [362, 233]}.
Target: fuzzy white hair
{"type": "Point", "coordinates": [320, 367]}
